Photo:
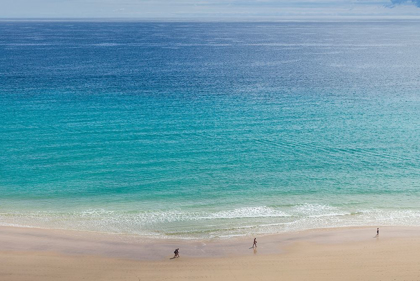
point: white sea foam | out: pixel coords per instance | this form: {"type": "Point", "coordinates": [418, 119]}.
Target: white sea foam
{"type": "Point", "coordinates": [248, 212]}
{"type": "Point", "coordinates": [212, 224]}
{"type": "Point", "coordinates": [317, 210]}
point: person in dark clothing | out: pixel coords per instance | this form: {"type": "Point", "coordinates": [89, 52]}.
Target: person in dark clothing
{"type": "Point", "coordinates": [255, 243]}
{"type": "Point", "coordinates": [176, 252]}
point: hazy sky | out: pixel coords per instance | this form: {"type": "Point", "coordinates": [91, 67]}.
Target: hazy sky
{"type": "Point", "coordinates": [208, 9]}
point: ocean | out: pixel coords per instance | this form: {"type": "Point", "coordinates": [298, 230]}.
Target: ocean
{"type": "Point", "coordinates": [196, 130]}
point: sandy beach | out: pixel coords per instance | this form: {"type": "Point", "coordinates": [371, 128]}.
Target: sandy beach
{"type": "Point", "coordinates": [329, 254]}
{"type": "Point", "coordinates": [183, 125]}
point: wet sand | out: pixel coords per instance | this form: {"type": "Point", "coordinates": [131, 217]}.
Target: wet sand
{"type": "Point", "coordinates": [328, 254]}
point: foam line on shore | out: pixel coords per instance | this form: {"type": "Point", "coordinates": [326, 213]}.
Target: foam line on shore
{"type": "Point", "coordinates": [139, 248]}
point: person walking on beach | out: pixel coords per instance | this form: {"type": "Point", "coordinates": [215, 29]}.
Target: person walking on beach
{"type": "Point", "coordinates": [176, 252]}
{"type": "Point", "coordinates": [377, 231]}
{"type": "Point", "coordinates": [255, 243]}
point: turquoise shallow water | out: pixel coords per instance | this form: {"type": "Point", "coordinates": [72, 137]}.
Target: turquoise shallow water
{"type": "Point", "coordinates": [206, 130]}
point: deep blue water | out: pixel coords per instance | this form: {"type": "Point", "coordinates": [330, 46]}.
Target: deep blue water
{"type": "Point", "coordinates": [209, 129]}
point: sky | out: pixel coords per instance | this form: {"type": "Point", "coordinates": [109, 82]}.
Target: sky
{"type": "Point", "coordinates": [209, 9]}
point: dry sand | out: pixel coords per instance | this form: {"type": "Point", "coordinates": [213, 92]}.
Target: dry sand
{"type": "Point", "coordinates": [333, 254]}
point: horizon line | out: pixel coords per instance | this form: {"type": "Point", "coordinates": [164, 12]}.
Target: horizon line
{"type": "Point", "coordinates": [215, 19]}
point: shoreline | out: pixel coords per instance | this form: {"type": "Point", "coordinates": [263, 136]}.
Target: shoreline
{"type": "Point", "coordinates": [327, 254]}
{"type": "Point", "coordinates": [132, 247]}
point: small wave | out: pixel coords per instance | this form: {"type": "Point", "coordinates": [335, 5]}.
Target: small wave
{"type": "Point", "coordinates": [106, 44]}
{"type": "Point", "coordinates": [212, 224]}
{"type": "Point", "coordinates": [249, 212]}
{"type": "Point", "coordinates": [317, 210]}
{"type": "Point", "coordinates": [27, 44]}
